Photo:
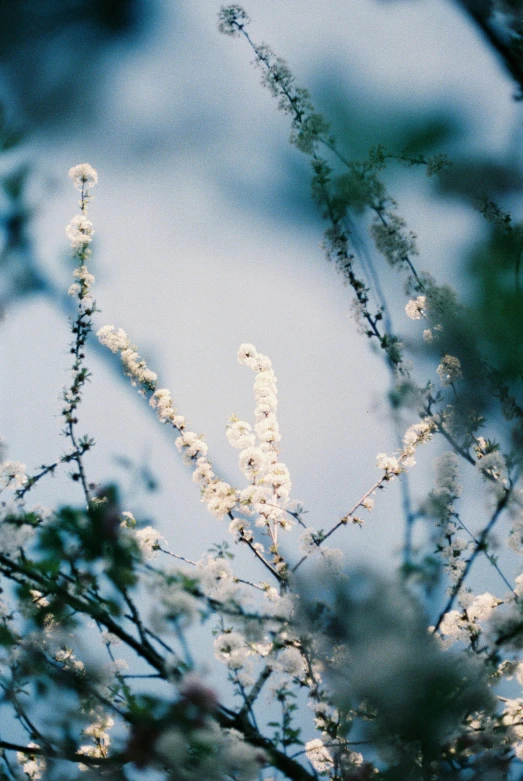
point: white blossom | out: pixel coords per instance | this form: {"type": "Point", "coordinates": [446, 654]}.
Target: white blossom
{"type": "Point", "coordinates": [452, 624]}
{"type": "Point", "coordinates": [291, 661]}
{"type": "Point", "coordinates": [251, 460]}
{"type": "Point", "coordinates": [83, 175]}
{"type": "Point", "coordinates": [191, 445]}
{"type": "Point", "coordinates": [115, 339]}
{"type": "Point", "coordinates": [149, 540]}
{"type": "Point", "coordinates": [79, 231]}
{"type": "Point", "coordinates": [319, 756]}
{"type": "Point", "coordinates": [231, 648]}
{"type": "Point", "coordinates": [389, 464]}
{"type": "Point", "coordinates": [482, 606]}
{"type": "Point", "coordinates": [247, 355]}
{"type": "Point", "coordinates": [161, 401]}
{"type": "Point", "coordinates": [12, 475]}
{"type": "Point", "coordinates": [415, 308]}
{"type": "Point", "coordinates": [449, 370]}
{"type": "Point", "coordinates": [219, 497]}
{"type": "Point", "coordinates": [14, 536]}
{"type": "Point", "coordinates": [239, 434]}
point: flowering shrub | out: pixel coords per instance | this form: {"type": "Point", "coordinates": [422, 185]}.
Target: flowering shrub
{"type": "Point", "coordinates": [361, 684]}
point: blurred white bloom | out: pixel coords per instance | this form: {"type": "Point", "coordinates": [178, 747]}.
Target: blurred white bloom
{"type": "Point", "coordinates": [32, 767]}
{"type": "Point", "coordinates": [149, 541]}
{"type": "Point", "coordinates": [173, 746]}
{"type": "Point", "coordinates": [482, 606]}
{"type": "Point", "coordinates": [13, 536]}
{"type": "Point", "coordinates": [290, 661]}
{"type": "Point", "coordinates": [449, 370]}
{"type": "Point", "coordinates": [319, 756]}
{"type": "Point", "coordinates": [518, 588]}
{"type": "Point", "coordinates": [492, 465]}
{"type": "Point", "coordinates": [415, 308]}
{"type": "Point", "coordinates": [79, 231]}
{"type": "Point", "coordinates": [83, 274]}
{"type": "Point", "coordinates": [247, 355]}
{"type": "Point", "coordinates": [418, 434]}
{"type": "Point", "coordinates": [231, 648]}
{"type": "Point", "coordinates": [217, 579]}
{"type": "Point", "coordinates": [389, 464]}
{"type": "Point", "coordinates": [447, 473]}
{"type": "Point", "coordinates": [308, 542]}
{"type": "Point", "coordinates": [332, 557]}
{"type": "Point", "coordinates": [12, 475]}
{"type": "Point", "coordinates": [83, 175]}
{"type": "Point", "coordinates": [240, 760]}
{"type": "Point", "coordinates": [513, 717]}
{"type": "Point", "coordinates": [452, 624]}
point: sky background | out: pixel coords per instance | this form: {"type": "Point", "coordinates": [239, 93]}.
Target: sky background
{"type": "Point", "coordinates": [206, 238]}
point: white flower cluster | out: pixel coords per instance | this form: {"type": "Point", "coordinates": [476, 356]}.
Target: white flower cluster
{"type": "Point", "coordinates": [67, 659]}
{"type": "Point", "coordinates": [491, 463]}
{"type": "Point", "coordinates": [34, 766]}
{"type": "Point", "coordinates": [513, 717]}
{"type": "Point", "coordinates": [217, 579]}
{"type": "Point", "coordinates": [415, 309]}
{"type": "Point", "coordinates": [218, 495]}
{"type": "Point", "coordinates": [12, 475]}
{"type": "Point", "coordinates": [231, 18]}
{"type": "Point", "coordinates": [161, 401]}
{"type": "Point", "coordinates": [149, 541]}
{"type": "Point", "coordinates": [84, 176]}
{"type": "Point", "coordinates": [79, 232]}
{"type": "Point", "coordinates": [82, 289]}
{"type": "Point", "coordinates": [319, 756]}
{"type": "Point", "coordinates": [452, 551]}
{"type": "Point", "coordinates": [515, 539]}
{"type": "Point", "coordinates": [222, 753]}
{"type": "Point", "coordinates": [417, 434]}
{"type": "Point", "coordinates": [239, 654]}
{"type": "Point", "coordinates": [461, 624]}
{"type": "Point", "coordinates": [268, 494]}
{"type": "Point", "coordinates": [102, 740]}
{"type": "Point", "coordinates": [230, 647]}
{"type": "Point", "coordinates": [14, 536]}
{"type": "Point", "coordinates": [172, 604]}
{"type": "Point", "coordinates": [290, 661]}
{"type": "Point", "coordinates": [449, 370]}
{"type": "Point", "coordinates": [134, 367]}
